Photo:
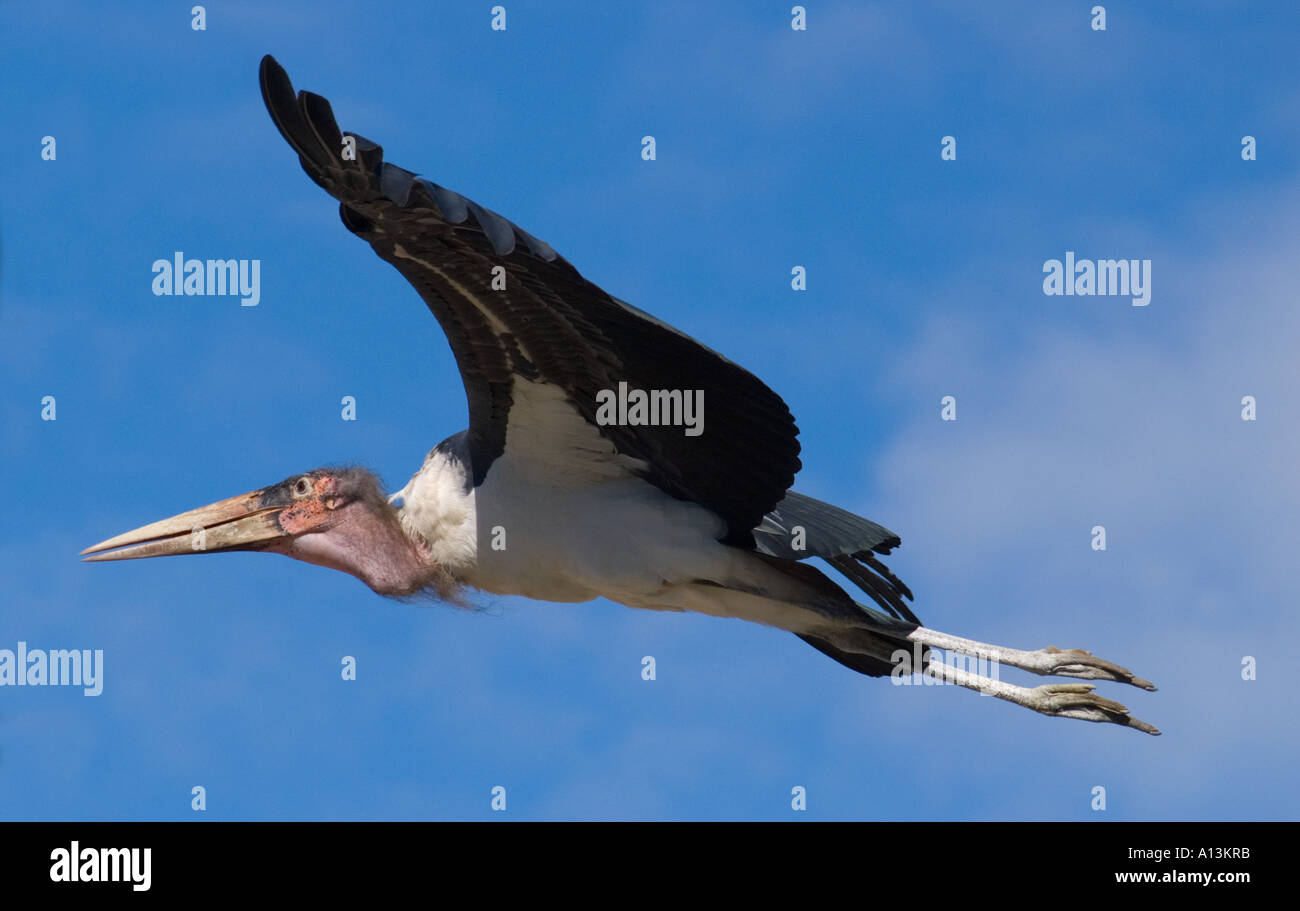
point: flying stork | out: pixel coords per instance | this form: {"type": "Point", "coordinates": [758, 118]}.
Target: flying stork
{"type": "Point", "coordinates": [643, 514]}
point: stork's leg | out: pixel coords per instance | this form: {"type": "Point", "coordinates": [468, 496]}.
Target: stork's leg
{"type": "Point", "coordinates": [1064, 700]}
{"type": "Point", "coordinates": [1047, 662]}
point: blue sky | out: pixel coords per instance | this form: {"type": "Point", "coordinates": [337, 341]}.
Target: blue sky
{"type": "Point", "coordinates": [775, 148]}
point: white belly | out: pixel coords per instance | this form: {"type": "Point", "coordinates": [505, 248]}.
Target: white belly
{"type": "Point", "coordinates": [618, 538]}
{"type": "Point", "coordinates": [562, 517]}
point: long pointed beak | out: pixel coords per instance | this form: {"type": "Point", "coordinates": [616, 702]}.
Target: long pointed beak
{"type": "Point", "coordinates": [240, 523]}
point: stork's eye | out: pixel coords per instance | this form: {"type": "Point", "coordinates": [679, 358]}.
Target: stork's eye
{"type": "Point", "coordinates": [302, 487]}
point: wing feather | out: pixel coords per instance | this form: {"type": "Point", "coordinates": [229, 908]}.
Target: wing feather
{"type": "Point", "coordinates": [549, 325]}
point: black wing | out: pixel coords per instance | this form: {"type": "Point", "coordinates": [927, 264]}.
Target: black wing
{"type": "Point", "coordinates": [549, 325]}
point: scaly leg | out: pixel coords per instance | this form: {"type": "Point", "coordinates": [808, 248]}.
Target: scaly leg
{"type": "Point", "coordinates": [1047, 662]}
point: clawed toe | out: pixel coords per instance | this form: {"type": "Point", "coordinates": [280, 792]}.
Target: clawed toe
{"type": "Point", "coordinates": [1077, 700]}
{"type": "Point", "coordinates": [1076, 662]}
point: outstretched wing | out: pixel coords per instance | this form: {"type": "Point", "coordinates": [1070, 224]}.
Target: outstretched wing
{"type": "Point", "coordinates": [547, 326]}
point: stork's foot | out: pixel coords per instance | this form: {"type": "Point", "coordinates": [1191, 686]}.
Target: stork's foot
{"type": "Point", "coordinates": [1077, 700]}
{"type": "Point", "coordinates": [1075, 662]}
{"type": "Point", "coordinates": [1046, 662]}
{"type": "Point", "coordinates": [1064, 700]}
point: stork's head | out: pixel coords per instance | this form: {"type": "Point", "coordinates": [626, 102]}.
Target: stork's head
{"type": "Point", "coordinates": [335, 517]}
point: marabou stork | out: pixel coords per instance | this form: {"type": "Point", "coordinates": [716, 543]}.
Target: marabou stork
{"type": "Point", "coordinates": [642, 514]}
